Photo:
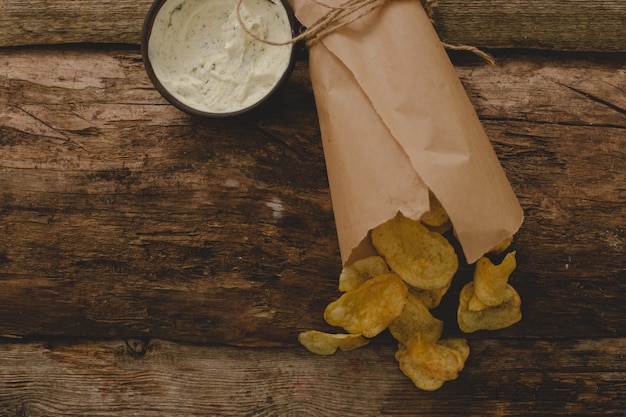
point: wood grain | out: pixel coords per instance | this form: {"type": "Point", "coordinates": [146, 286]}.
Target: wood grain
{"type": "Point", "coordinates": [501, 378]}
{"type": "Point", "coordinates": [49, 22]}
{"type": "Point", "coordinates": [123, 217]}
{"type": "Point", "coordinates": [563, 25]}
{"type": "Point", "coordinates": [556, 25]}
{"type": "Point", "coordinates": [124, 222]}
{"type": "Point", "coordinates": [132, 200]}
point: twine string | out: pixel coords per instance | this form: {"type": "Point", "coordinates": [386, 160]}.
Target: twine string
{"type": "Point", "coordinates": [332, 21]}
{"type": "Point", "coordinates": [347, 13]}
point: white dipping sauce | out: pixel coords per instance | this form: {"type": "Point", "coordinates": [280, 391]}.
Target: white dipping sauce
{"type": "Point", "coordinates": [203, 57]}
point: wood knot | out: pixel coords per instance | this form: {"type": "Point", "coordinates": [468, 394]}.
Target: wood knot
{"type": "Point", "coordinates": [137, 347]}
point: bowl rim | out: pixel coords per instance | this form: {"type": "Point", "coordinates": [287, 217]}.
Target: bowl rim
{"type": "Point", "coordinates": [165, 93]}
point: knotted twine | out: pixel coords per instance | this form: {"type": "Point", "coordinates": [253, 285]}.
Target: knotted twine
{"type": "Point", "coordinates": [347, 13]}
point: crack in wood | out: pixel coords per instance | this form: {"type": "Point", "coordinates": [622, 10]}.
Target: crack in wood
{"type": "Point", "coordinates": [596, 99]}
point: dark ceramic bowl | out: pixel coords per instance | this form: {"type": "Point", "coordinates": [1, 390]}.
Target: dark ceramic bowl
{"type": "Point", "coordinates": [155, 54]}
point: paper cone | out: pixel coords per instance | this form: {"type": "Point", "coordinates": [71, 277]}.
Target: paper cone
{"type": "Point", "coordinates": [395, 122]}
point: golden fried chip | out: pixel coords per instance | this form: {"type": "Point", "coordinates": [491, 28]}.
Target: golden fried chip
{"type": "Point", "coordinates": [415, 318]}
{"type": "Point", "coordinates": [502, 246]}
{"type": "Point", "coordinates": [354, 275]}
{"type": "Point", "coordinates": [492, 318]}
{"type": "Point", "coordinates": [459, 345]}
{"type": "Point", "coordinates": [417, 374]}
{"type": "Point", "coordinates": [429, 364]}
{"type": "Point", "coordinates": [369, 309]}
{"type": "Point", "coordinates": [436, 359]}
{"type": "Point", "coordinates": [437, 216]}
{"type": "Point", "coordinates": [430, 298]}
{"type": "Point", "coordinates": [490, 280]}
{"type": "Point", "coordinates": [422, 258]}
{"type": "Point", "coordinates": [322, 343]}
{"type": "Point", "coordinates": [476, 305]}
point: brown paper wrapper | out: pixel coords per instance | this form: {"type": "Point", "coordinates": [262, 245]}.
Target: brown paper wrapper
{"type": "Point", "coordinates": [395, 122]}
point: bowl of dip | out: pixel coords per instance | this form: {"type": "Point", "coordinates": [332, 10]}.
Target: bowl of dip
{"type": "Point", "coordinates": [202, 61]}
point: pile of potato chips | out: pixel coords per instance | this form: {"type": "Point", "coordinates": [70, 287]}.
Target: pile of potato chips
{"type": "Point", "coordinates": [397, 290]}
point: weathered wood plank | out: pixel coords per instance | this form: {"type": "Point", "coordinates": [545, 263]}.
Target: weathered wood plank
{"type": "Point", "coordinates": [539, 24]}
{"type": "Point", "coordinates": [122, 217]}
{"type": "Point", "coordinates": [187, 211]}
{"type": "Point", "coordinates": [501, 378]}
{"type": "Point", "coordinates": [37, 22]}
{"type": "Point", "coordinates": [562, 25]}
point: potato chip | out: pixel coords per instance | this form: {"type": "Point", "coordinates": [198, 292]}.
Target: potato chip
{"type": "Point", "coordinates": [502, 246]}
{"type": "Point", "coordinates": [476, 305]}
{"type": "Point", "coordinates": [430, 298]}
{"type": "Point", "coordinates": [417, 374]}
{"type": "Point", "coordinates": [398, 288]}
{"type": "Point", "coordinates": [322, 343]}
{"type": "Point", "coordinates": [354, 275]}
{"type": "Point", "coordinates": [429, 364]}
{"type": "Point", "coordinates": [490, 280]}
{"type": "Point", "coordinates": [369, 309]}
{"type": "Point", "coordinates": [436, 359]}
{"type": "Point", "coordinates": [492, 318]}
{"type": "Point", "coordinates": [437, 215]}
{"type": "Point", "coordinates": [459, 345]}
{"type": "Point", "coordinates": [415, 318]}
{"type": "Point", "coordinates": [422, 258]}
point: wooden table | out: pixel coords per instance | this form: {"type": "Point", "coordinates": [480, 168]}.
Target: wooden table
{"type": "Point", "coordinates": [153, 264]}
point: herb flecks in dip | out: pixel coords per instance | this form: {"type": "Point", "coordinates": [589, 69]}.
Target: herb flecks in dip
{"type": "Point", "coordinates": [203, 57]}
